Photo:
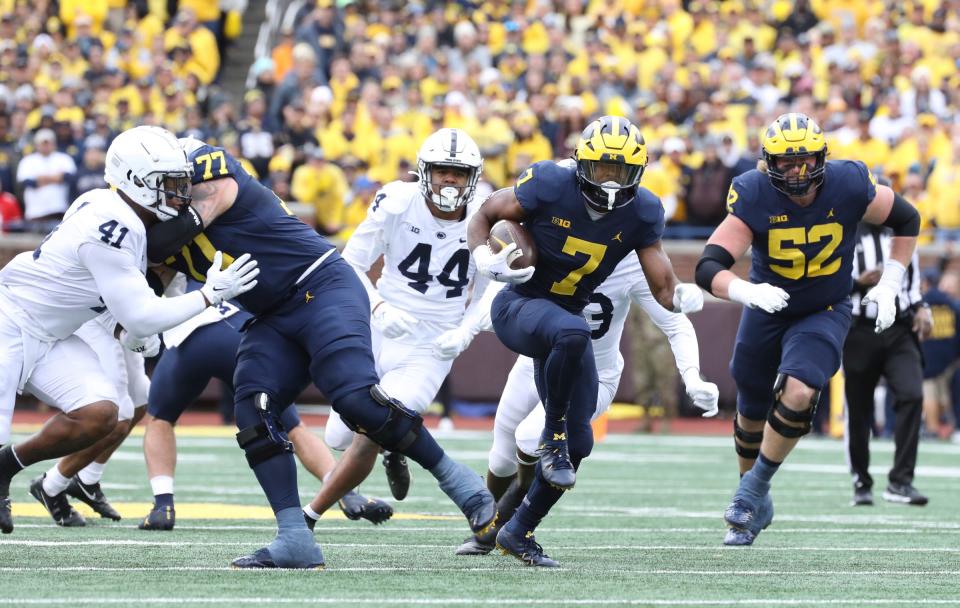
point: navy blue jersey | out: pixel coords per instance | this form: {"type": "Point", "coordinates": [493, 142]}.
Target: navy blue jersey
{"type": "Point", "coordinates": [575, 253]}
{"type": "Point", "coordinates": [940, 349]}
{"type": "Point", "coordinates": [807, 251]}
{"type": "Point", "coordinates": [258, 223]}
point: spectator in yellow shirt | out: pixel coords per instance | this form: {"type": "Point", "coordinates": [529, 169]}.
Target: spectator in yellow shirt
{"type": "Point", "coordinates": [322, 185]}
{"type": "Point", "coordinates": [202, 42]}
{"type": "Point", "coordinates": [530, 145]}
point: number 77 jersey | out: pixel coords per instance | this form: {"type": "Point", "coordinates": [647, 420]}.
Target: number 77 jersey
{"type": "Point", "coordinates": [807, 251]}
{"type": "Point", "coordinates": [427, 267]}
{"type": "Point", "coordinates": [575, 251]}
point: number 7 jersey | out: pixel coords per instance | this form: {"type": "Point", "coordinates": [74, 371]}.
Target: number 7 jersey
{"type": "Point", "coordinates": [427, 267]}
{"type": "Point", "coordinates": [806, 251]}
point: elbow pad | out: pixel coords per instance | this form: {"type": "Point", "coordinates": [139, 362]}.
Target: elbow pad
{"type": "Point", "coordinates": [714, 259]}
{"type": "Point", "coordinates": [166, 238]}
{"type": "Point", "coordinates": [903, 218]}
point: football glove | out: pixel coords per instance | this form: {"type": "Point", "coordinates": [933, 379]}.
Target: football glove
{"type": "Point", "coordinates": [392, 322]}
{"type": "Point", "coordinates": [764, 296]}
{"type": "Point", "coordinates": [238, 278]}
{"type": "Point", "coordinates": [884, 294]}
{"type": "Point", "coordinates": [704, 395]}
{"type": "Point", "coordinates": [687, 298]}
{"type": "Point", "coordinates": [148, 347]}
{"type": "Point", "coordinates": [496, 266]}
{"type": "Point", "coordinates": [452, 342]}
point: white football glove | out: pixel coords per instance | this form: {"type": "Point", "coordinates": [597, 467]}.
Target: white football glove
{"type": "Point", "coordinates": [704, 395]}
{"type": "Point", "coordinates": [392, 322]}
{"type": "Point", "coordinates": [496, 265]}
{"type": "Point", "coordinates": [764, 296]}
{"type": "Point", "coordinates": [884, 294]}
{"type": "Point", "coordinates": [237, 279]}
{"type": "Point", "coordinates": [687, 298]}
{"type": "Point", "coordinates": [452, 342]}
{"type": "Point", "coordinates": [148, 347]}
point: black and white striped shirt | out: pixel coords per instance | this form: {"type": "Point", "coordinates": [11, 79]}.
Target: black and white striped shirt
{"type": "Point", "coordinates": [873, 249]}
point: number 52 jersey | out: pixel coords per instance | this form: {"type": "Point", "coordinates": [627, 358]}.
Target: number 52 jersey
{"type": "Point", "coordinates": [806, 251]}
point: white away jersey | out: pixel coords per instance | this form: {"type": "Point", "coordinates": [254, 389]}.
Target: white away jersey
{"type": "Point", "coordinates": [427, 268]}
{"type": "Point", "coordinates": [50, 292]}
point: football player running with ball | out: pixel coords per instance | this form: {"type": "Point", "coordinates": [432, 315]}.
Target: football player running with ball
{"type": "Point", "coordinates": [420, 317]}
{"type": "Point", "coordinates": [584, 221]}
{"type": "Point", "coordinates": [800, 214]}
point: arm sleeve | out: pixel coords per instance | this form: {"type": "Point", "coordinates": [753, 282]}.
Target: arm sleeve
{"type": "Point", "coordinates": [677, 327]}
{"type": "Point", "coordinates": [125, 291]}
{"type": "Point", "coordinates": [362, 250]}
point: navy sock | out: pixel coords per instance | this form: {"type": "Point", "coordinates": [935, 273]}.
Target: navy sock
{"type": "Point", "coordinates": [425, 451]}
{"type": "Point", "coordinates": [757, 480]}
{"type": "Point", "coordinates": [539, 500]}
{"type": "Point", "coordinates": [163, 500]}
{"type": "Point", "coordinates": [561, 371]}
{"type": "Point", "coordinates": [278, 478]}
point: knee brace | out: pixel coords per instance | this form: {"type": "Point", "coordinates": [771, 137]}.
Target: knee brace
{"type": "Point", "coordinates": [397, 432]}
{"type": "Point", "coordinates": [266, 439]}
{"type": "Point", "coordinates": [805, 418]}
{"type": "Point", "coordinates": [742, 436]}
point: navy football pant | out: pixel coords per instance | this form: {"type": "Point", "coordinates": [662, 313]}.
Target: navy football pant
{"type": "Point", "coordinates": [566, 376]}
{"type": "Point", "coordinates": [807, 348]}
{"type": "Point", "coordinates": [320, 333]}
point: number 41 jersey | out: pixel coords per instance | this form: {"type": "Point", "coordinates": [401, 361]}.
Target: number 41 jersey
{"type": "Point", "coordinates": [426, 264]}
{"type": "Point", "coordinates": [806, 251]}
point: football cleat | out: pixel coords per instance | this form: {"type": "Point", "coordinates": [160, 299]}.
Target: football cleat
{"type": "Point", "coordinates": [6, 519]}
{"type": "Point", "coordinates": [745, 521]}
{"type": "Point", "coordinates": [93, 496]}
{"type": "Point", "coordinates": [525, 549]}
{"type": "Point", "coordinates": [58, 507]}
{"type": "Point", "coordinates": [398, 474]}
{"type": "Point", "coordinates": [261, 559]}
{"type": "Point", "coordinates": [555, 466]}
{"type": "Point", "coordinates": [355, 507]}
{"type": "Point", "coordinates": [476, 545]}
{"type": "Point", "coordinates": [159, 518]}
{"type": "Point", "coordinates": [862, 497]}
{"type": "Point", "coordinates": [481, 512]}
{"type": "Point", "coordinates": [311, 522]}
{"type": "Point", "coordinates": [904, 493]}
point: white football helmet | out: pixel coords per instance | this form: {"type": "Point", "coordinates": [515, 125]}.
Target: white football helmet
{"type": "Point", "coordinates": [149, 166]}
{"type": "Point", "coordinates": [449, 147]}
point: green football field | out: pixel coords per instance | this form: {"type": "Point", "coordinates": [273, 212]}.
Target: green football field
{"type": "Point", "coordinates": [643, 527]}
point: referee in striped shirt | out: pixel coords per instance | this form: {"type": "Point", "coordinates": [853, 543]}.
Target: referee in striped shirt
{"type": "Point", "coordinates": [894, 355]}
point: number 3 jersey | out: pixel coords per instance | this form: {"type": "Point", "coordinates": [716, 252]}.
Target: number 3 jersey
{"type": "Point", "coordinates": [50, 292]}
{"type": "Point", "coordinates": [806, 251]}
{"type": "Point", "coordinates": [427, 267]}
{"type": "Point", "coordinates": [575, 252]}
{"type": "Point", "coordinates": [257, 223]}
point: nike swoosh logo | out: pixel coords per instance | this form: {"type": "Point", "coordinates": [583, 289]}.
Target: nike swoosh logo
{"type": "Point", "coordinates": [219, 289]}
{"type": "Point", "coordinates": [463, 240]}
{"type": "Point", "coordinates": [85, 493]}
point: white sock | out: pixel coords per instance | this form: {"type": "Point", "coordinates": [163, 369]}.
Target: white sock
{"type": "Point", "coordinates": [161, 484]}
{"type": "Point", "coordinates": [311, 513]}
{"type": "Point", "coordinates": [54, 482]}
{"type": "Point", "coordinates": [92, 473]}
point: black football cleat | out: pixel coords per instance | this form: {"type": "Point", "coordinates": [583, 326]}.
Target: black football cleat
{"type": "Point", "coordinates": [159, 518]}
{"type": "Point", "coordinates": [481, 512]}
{"type": "Point", "coordinates": [93, 496]}
{"type": "Point", "coordinates": [261, 559]}
{"type": "Point", "coordinates": [398, 474]}
{"type": "Point", "coordinates": [311, 522]}
{"type": "Point", "coordinates": [526, 549]}
{"type": "Point", "coordinates": [57, 506]}
{"type": "Point", "coordinates": [6, 518]}
{"type": "Point", "coordinates": [356, 506]}
{"type": "Point", "coordinates": [862, 497]}
{"type": "Point", "coordinates": [476, 545]}
{"type": "Point", "coordinates": [555, 466]}
{"type": "Point", "coordinates": [905, 494]}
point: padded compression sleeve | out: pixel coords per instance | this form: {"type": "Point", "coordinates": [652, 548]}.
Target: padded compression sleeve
{"type": "Point", "coordinates": [166, 238]}
{"type": "Point", "coordinates": [903, 218]}
{"type": "Point", "coordinates": [128, 297]}
{"type": "Point", "coordinates": [714, 259]}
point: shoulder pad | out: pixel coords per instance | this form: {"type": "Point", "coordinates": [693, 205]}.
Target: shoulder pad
{"type": "Point", "coordinates": [550, 178]}
{"type": "Point", "coordinates": [648, 206]}
{"type": "Point", "coordinates": [191, 144]}
{"type": "Point", "coordinates": [397, 196]}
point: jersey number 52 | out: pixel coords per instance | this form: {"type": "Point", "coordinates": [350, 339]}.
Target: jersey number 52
{"type": "Point", "coordinates": [797, 265]}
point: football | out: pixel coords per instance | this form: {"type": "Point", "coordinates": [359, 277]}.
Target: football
{"type": "Point", "coordinates": [505, 232]}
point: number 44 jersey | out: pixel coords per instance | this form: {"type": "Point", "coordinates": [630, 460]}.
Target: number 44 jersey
{"type": "Point", "coordinates": [427, 267]}
{"type": "Point", "coordinates": [807, 251]}
{"type": "Point", "coordinates": [52, 292]}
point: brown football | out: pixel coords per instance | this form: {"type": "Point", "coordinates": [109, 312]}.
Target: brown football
{"type": "Point", "coordinates": [505, 232]}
